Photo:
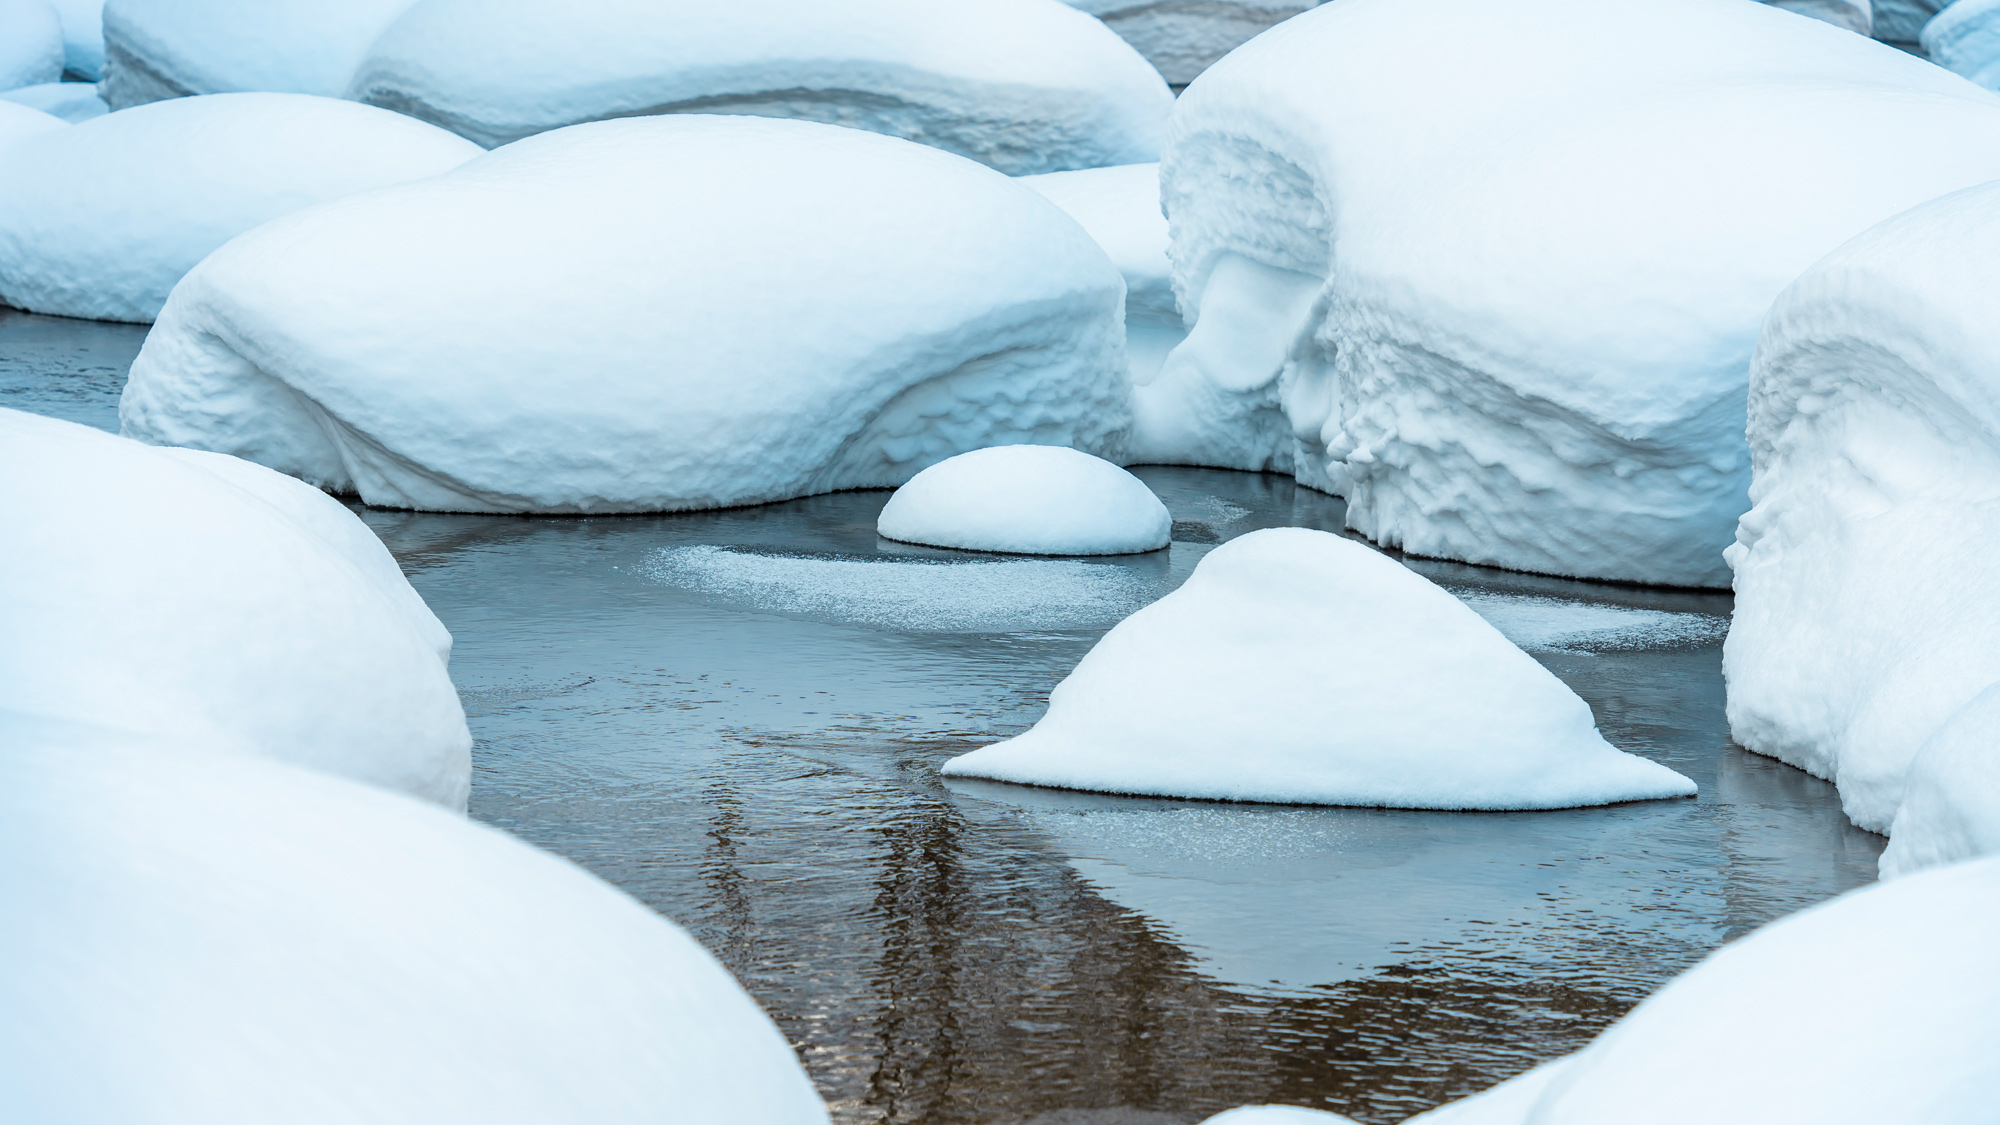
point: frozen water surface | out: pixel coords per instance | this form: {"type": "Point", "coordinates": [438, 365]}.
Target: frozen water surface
{"type": "Point", "coordinates": [738, 716]}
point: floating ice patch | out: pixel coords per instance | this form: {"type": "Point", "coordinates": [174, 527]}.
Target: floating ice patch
{"type": "Point", "coordinates": [917, 594]}
{"type": "Point", "coordinates": [1550, 624]}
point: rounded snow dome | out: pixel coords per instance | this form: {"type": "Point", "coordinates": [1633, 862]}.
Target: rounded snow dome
{"type": "Point", "coordinates": [1028, 500]}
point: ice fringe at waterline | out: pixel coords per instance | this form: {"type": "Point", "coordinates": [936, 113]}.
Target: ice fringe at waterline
{"type": "Point", "coordinates": [175, 595]}
{"type": "Point", "coordinates": [31, 44]}
{"type": "Point", "coordinates": [1182, 38]}
{"type": "Point", "coordinates": [192, 938]}
{"type": "Point", "coordinates": [100, 220]}
{"type": "Point", "coordinates": [1027, 500]}
{"type": "Point", "coordinates": [1494, 272]}
{"type": "Point", "coordinates": [1965, 39]}
{"type": "Point", "coordinates": [1020, 85]}
{"type": "Point", "coordinates": [159, 49]}
{"type": "Point", "coordinates": [1299, 667]}
{"type": "Point", "coordinates": [650, 314]}
{"type": "Point", "coordinates": [1865, 608]}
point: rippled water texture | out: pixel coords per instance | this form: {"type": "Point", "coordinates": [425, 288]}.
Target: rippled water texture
{"type": "Point", "coordinates": [738, 716]}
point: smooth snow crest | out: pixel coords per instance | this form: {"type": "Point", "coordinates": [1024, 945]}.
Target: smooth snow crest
{"type": "Point", "coordinates": [1296, 666]}
{"type": "Point", "coordinates": [1494, 272]}
{"type": "Point", "coordinates": [1951, 795]}
{"type": "Point", "coordinates": [1182, 38]}
{"type": "Point", "coordinates": [19, 122]}
{"type": "Point", "coordinates": [1028, 500]}
{"type": "Point", "coordinates": [100, 220]}
{"type": "Point", "coordinates": [31, 44]}
{"type": "Point", "coordinates": [158, 49]}
{"type": "Point", "coordinates": [173, 595]}
{"type": "Point", "coordinates": [650, 314]}
{"type": "Point", "coordinates": [71, 101]}
{"type": "Point", "coordinates": [1965, 39]}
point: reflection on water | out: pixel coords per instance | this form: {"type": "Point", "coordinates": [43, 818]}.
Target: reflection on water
{"type": "Point", "coordinates": [738, 716]}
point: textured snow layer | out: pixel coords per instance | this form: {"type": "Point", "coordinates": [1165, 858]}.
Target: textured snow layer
{"type": "Point", "coordinates": [102, 219]}
{"type": "Point", "coordinates": [31, 44]}
{"type": "Point", "coordinates": [1028, 500]}
{"type": "Point", "coordinates": [19, 122]}
{"type": "Point", "coordinates": [1182, 38]}
{"type": "Point", "coordinates": [202, 939]}
{"type": "Point", "coordinates": [1021, 85]}
{"type": "Point", "coordinates": [1295, 666]}
{"type": "Point", "coordinates": [173, 594]}
{"type": "Point", "coordinates": [1494, 271]}
{"type": "Point", "coordinates": [1865, 607]}
{"type": "Point", "coordinates": [157, 49]}
{"type": "Point", "coordinates": [651, 314]}
{"type": "Point", "coordinates": [71, 101]}
{"type": "Point", "coordinates": [1951, 795]}
{"type": "Point", "coordinates": [1965, 38]}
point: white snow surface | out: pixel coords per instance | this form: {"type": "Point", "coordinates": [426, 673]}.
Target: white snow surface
{"type": "Point", "coordinates": [100, 220]}
{"type": "Point", "coordinates": [1965, 39]}
{"type": "Point", "coordinates": [71, 101]}
{"type": "Point", "coordinates": [1182, 38]}
{"type": "Point", "coordinates": [31, 44]}
{"type": "Point", "coordinates": [192, 938]}
{"type": "Point", "coordinates": [1854, 15]}
{"type": "Point", "coordinates": [1494, 272]}
{"type": "Point", "coordinates": [1951, 795]}
{"type": "Point", "coordinates": [1021, 85]}
{"type": "Point", "coordinates": [1276, 1115]}
{"type": "Point", "coordinates": [1028, 500]}
{"type": "Point", "coordinates": [1865, 610]}
{"type": "Point", "coordinates": [156, 49]}
{"type": "Point", "coordinates": [19, 122]}
{"type": "Point", "coordinates": [83, 36]}
{"type": "Point", "coordinates": [651, 314]}
{"type": "Point", "coordinates": [1295, 666]}
{"type": "Point", "coordinates": [172, 595]}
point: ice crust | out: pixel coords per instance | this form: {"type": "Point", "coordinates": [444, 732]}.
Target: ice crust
{"type": "Point", "coordinates": [1494, 271]}
{"type": "Point", "coordinates": [1182, 38]}
{"type": "Point", "coordinates": [71, 101]}
{"type": "Point", "coordinates": [651, 314]}
{"type": "Point", "coordinates": [1028, 500]}
{"type": "Point", "coordinates": [1865, 612]}
{"type": "Point", "coordinates": [1021, 85]}
{"type": "Point", "coordinates": [157, 49]}
{"type": "Point", "coordinates": [1296, 666]}
{"type": "Point", "coordinates": [179, 595]}
{"type": "Point", "coordinates": [100, 220]}
{"type": "Point", "coordinates": [200, 939]}
{"type": "Point", "coordinates": [1965, 39]}
{"type": "Point", "coordinates": [31, 44]}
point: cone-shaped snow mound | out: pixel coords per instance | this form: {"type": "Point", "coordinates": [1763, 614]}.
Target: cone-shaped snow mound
{"type": "Point", "coordinates": [1494, 272]}
{"type": "Point", "coordinates": [193, 938]}
{"type": "Point", "coordinates": [155, 49]}
{"type": "Point", "coordinates": [1022, 85]}
{"type": "Point", "coordinates": [652, 314]}
{"type": "Point", "coordinates": [1028, 500]}
{"type": "Point", "coordinates": [101, 219]}
{"type": "Point", "coordinates": [180, 594]}
{"type": "Point", "coordinates": [1299, 667]}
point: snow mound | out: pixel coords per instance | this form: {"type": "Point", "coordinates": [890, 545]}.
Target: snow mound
{"type": "Point", "coordinates": [158, 49]}
{"type": "Point", "coordinates": [1182, 38]}
{"type": "Point", "coordinates": [1865, 610]}
{"type": "Point", "coordinates": [19, 122]}
{"type": "Point", "coordinates": [1854, 15]}
{"type": "Point", "coordinates": [83, 36]}
{"type": "Point", "coordinates": [1951, 796]}
{"type": "Point", "coordinates": [71, 101]}
{"type": "Point", "coordinates": [652, 314]}
{"type": "Point", "coordinates": [171, 594]}
{"type": "Point", "coordinates": [1494, 272]}
{"type": "Point", "coordinates": [1276, 1115]}
{"type": "Point", "coordinates": [1298, 667]}
{"type": "Point", "coordinates": [1021, 85]}
{"type": "Point", "coordinates": [192, 938]}
{"type": "Point", "coordinates": [31, 44]}
{"type": "Point", "coordinates": [1965, 39]}
{"type": "Point", "coordinates": [100, 220]}
{"type": "Point", "coordinates": [1028, 500]}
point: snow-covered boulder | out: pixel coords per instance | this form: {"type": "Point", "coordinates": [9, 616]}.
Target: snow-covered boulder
{"type": "Point", "coordinates": [1028, 500]}
{"type": "Point", "coordinates": [83, 36]}
{"type": "Point", "coordinates": [19, 122]}
{"type": "Point", "coordinates": [1951, 795]}
{"type": "Point", "coordinates": [1494, 271]}
{"type": "Point", "coordinates": [1021, 85]}
{"type": "Point", "coordinates": [71, 101]}
{"type": "Point", "coordinates": [201, 939]}
{"type": "Point", "coordinates": [1854, 15]}
{"type": "Point", "coordinates": [1182, 38]}
{"type": "Point", "coordinates": [1277, 1115]}
{"type": "Point", "coordinates": [168, 593]}
{"type": "Point", "coordinates": [1902, 21]}
{"type": "Point", "coordinates": [1882, 1005]}
{"type": "Point", "coordinates": [1865, 607]}
{"type": "Point", "coordinates": [101, 220]}
{"type": "Point", "coordinates": [1965, 39]}
{"type": "Point", "coordinates": [651, 314]}
{"type": "Point", "coordinates": [31, 44]}
{"type": "Point", "coordinates": [1299, 667]}
{"type": "Point", "coordinates": [156, 49]}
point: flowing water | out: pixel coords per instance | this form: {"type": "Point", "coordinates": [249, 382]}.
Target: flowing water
{"type": "Point", "coordinates": [737, 716]}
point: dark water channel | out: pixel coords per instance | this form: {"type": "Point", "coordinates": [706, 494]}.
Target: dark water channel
{"type": "Point", "coordinates": [737, 716]}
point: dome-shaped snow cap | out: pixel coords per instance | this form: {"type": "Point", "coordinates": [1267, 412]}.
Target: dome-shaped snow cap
{"type": "Point", "coordinates": [1022, 85]}
{"type": "Point", "coordinates": [19, 122]}
{"type": "Point", "coordinates": [650, 314]}
{"type": "Point", "coordinates": [1028, 500]}
{"type": "Point", "coordinates": [157, 49]}
{"type": "Point", "coordinates": [101, 219]}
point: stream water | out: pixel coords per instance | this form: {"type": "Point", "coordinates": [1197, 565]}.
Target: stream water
{"type": "Point", "coordinates": [737, 717]}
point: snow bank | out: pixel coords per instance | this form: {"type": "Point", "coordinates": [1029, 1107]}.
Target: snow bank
{"type": "Point", "coordinates": [1494, 271]}
{"type": "Point", "coordinates": [31, 44]}
{"type": "Point", "coordinates": [1295, 666]}
{"type": "Point", "coordinates": [653, 314]}
{"type": "Point", "coordinates": [1021, 85]}
{"type": "Point", "coordinates": [1182, 38]}
{"type": "Point", "coordinates": [83, 36]}
{"type": "Point", "coordinates": [1951, 795]}
{"type": "Point", "coordinates": [193, 939]}
{"type": "Point", "coordinates": [1865, 611]}
{"type": "Point", "coordinates": [156, 49]}
{"type": "Point", "coordinates": [101, 220]}
{"type": "Point", "coordinates": [148, 591]}
{"type": "Point", "coordinates": [71, 101]}
{"type": "Point", "coordinates": [1028, 500]}
{"type": "Point", "coordinates": [19, 122]}
{"type": "Point", "coordinates": [1965, 38]}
